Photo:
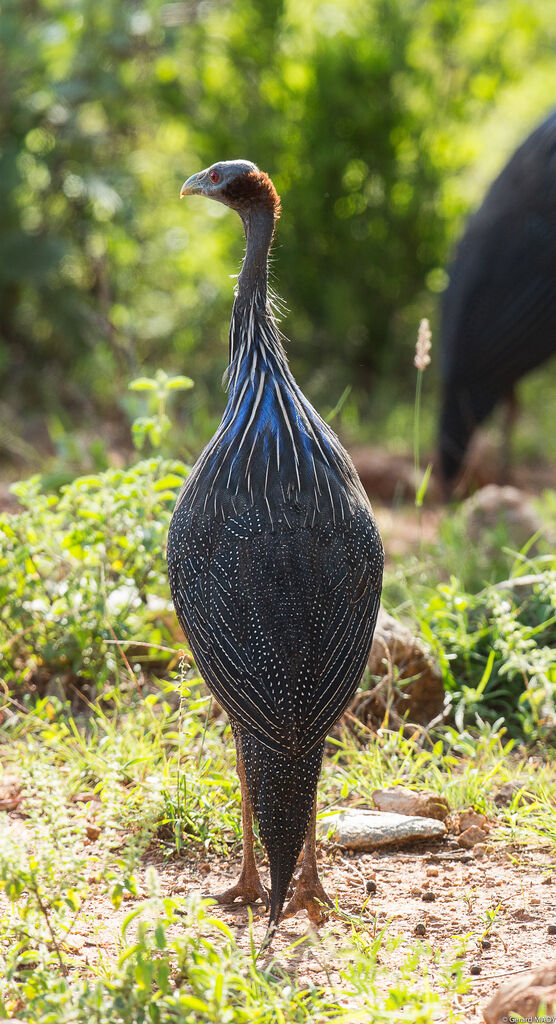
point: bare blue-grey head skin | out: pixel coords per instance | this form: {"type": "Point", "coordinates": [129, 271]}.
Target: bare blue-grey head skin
{"type": "Point", "coordinates": [275, 567]}
{"type": "Point", "coordinates": [214, 180]}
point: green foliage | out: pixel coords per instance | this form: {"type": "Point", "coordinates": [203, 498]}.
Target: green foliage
{"type": "Point", "coordinates": [80, 569]}
{"type": "Point", "coordinates": [375, 119]}
{"type": "Point", "coordinates": [497, 652]}
{"type": "Point", "coordinates": [175, 961]}
{"type": "Point", "coordinates": [43, 883]}
{"type": "Point", "coordinates": [487, 611]}
{"type": "Point", "coordinates": [156, 426]}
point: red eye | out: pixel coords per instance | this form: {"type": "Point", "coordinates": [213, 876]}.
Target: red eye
{"type": "Point", "coordinates": [214, 176]}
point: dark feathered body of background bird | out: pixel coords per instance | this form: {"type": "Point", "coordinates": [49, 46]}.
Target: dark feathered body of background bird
{"type": "Point", "coordinates": [499, 310]}
{"type": "Point", "coordinates": [275, 567]}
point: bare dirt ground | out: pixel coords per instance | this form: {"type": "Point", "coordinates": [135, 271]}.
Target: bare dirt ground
{"type": "Point", "coordinates": [465, 890]}
{"type": "Point", "coordinates": [403, 529]}
{"type": "Point", "coordinates": [450, 892]}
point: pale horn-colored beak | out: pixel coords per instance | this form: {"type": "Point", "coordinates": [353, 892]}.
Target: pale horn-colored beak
{"type": "Point", "coordinates": [193, 186]}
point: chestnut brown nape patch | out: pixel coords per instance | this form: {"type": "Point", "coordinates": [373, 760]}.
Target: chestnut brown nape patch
{"type": "Point", "coordinates": [254, 187]}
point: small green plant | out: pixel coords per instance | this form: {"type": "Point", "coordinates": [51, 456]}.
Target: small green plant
{"type": "Point", "coordinates": [469, 898]}
{"type": "Point", "coordinates": [155, 427]}
{"type": "Point", "coordinates": [491, 916]}
{"type": "Point", "coordinates": [43, 880]}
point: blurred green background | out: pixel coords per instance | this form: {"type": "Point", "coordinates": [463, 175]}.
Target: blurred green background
{"type": "Point", "coordinates": [381, 123]}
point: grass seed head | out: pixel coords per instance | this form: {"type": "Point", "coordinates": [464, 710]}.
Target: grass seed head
{"type": "Point", "coordinates": [423, 346]}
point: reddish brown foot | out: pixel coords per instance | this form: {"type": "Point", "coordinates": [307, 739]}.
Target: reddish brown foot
{"type": "Point", "coordinates": [309, 895]}
{"type": "Point", "coordinates": [248, 889]}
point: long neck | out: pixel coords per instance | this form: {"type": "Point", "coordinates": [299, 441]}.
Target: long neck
{"type": "Point", "coordinates": [252, 287]}
{"type": "Point", "coordinates": [269, 431]}
{"type": "Point", "coordinates": [259, 229]}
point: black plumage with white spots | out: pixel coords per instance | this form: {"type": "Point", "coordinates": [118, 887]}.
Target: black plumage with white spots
{"type": "Point", "coordinates": [275, 561]}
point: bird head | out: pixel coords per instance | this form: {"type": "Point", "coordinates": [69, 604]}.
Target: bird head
{"type": "Point", "coordinates": [236, 183]}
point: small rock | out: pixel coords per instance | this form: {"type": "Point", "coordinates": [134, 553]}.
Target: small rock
{"type": "Point", "coordinates": [522, 996]}
{"type": "Point", "coordinates": [407, 801]}
{"type": "Point", "coordinates": [93, 831]}
{"type": "Point", "coordinates": [369, 830]}
{"type": "Point", "coordinates": [552, 929]}
{"type": "Point", "coordinates": [521, 915]}
{"type": "Point", "coordinates": [480, 850]}
{"type": "Point", "coordinates": [420, 929]}
{"type": "Point", "coordinates": [10, 793]}
{"type": "Point", "coordinates": [469, 818]}
{"type": "Point", "coordinates": [506, 793]}
{"type": "Point", "coordinates": [475, 969]}
{"type": "Point", "coordinates": [387, 476]}
{"type": "Point", "coordinates": [470, 837]}
{"type": "Point", "coordinates": [486, 943]}
{"type": "Point", "coordinates": [547, 880]}
{"type": "Point", "coordinates": [432, 872]}
{"type": "Point", "coordinates": [85, 797]}
{"type": "Point", "coordinates": [492, 506]}
{"type": "Point", "coordinates": [535, 901]}
{"type": "Point", "coordinates": [428, 897]}
{"type": "Point", "coordinates": [370, 888]}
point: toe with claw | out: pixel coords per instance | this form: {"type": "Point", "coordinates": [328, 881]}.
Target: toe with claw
{"type": "Point", "coordinates": [309, 895]}
{"type": "Point", "coordinates": [248, 889]}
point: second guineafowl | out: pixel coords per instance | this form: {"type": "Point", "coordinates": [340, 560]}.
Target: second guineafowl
{"type": "Point", "coordinates": [499, 310]}
{"type": "Point", "coordinates": [275, 566]}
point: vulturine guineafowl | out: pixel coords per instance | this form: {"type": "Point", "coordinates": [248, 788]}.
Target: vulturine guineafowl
{"type": "Point", "coordinates": [499, 310]}
{"type": "Point", "coordinates": [275, 566]}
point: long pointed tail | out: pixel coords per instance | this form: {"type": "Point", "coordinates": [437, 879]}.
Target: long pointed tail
{"type": "Point", "coordinates": [282, 792]}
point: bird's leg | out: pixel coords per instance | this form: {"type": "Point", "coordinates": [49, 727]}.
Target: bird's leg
{"type": "Point", "coordinates": [309, 893]}
{"type": "Point", "coordinates": [511, 410]}
{"type": "Point", "coordinates": [248, 887]}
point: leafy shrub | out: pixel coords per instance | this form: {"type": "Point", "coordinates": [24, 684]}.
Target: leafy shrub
{"type": "Point", "coordinates": [497, 650]}
{"type": "Point", "coordinates": [81, 568]}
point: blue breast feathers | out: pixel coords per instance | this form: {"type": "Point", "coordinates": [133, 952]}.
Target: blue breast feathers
{"type": "Point", "coordinates": [272, 447]}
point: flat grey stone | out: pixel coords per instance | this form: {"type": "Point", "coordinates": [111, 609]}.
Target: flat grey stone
{"type": "Point", "coordinates": [423, 804]}
{"type": "Point", "coordinates": [369, 830]}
